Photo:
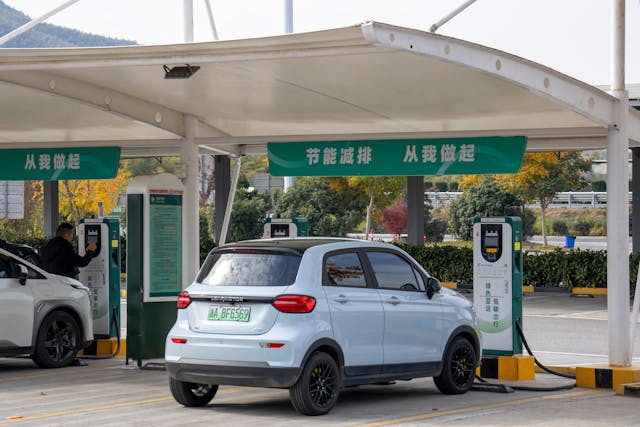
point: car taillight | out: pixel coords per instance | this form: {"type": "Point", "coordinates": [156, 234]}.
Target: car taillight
{"type": "Point", "coordinates": [184, 300]}
{"type": "Point", "coordinates": [294, 303]}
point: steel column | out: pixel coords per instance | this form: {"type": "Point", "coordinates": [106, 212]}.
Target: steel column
{"type": "Point", "coordinates": [635, 199]}
{"type": "Point", "coordinates": [415, 210]}
{"type": "Point", "coordinates": [51, 209]}
{"type": "Point", "coordinates": [191, 218]}
{"type": "Point", "coordinates": [618, 201]}
{"type": "Point", "coordinates": [222, 174]}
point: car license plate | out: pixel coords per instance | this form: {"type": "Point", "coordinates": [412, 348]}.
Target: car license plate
{"type": "Point", "coordinates": [233, 313]}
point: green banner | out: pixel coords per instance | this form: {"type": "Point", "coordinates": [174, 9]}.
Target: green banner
{"type": "Point", "coordinates": [403, 157]}
{"type": "Point", "coordinates": [165, 245]}
{"type": "Point", "coordinates": [51, 164]}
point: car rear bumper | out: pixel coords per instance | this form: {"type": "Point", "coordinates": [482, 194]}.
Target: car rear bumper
{"type": "Point", "coordinates": [251, 374]}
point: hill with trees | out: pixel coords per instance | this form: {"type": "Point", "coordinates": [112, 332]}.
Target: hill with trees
{"type": "Point", "coordinates": [47, 35]}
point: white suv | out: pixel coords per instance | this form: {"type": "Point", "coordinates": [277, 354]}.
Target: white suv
{"type": "Point", "coordinates": [42, 315]}
{"type": "Point", "coordinates": [314, 315]}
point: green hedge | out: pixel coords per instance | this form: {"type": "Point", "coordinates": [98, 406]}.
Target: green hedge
{"type": "Point", "coordinates": [576, 268]}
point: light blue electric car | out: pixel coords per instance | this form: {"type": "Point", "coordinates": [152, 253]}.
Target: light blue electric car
{"type": "Point", "coordinates": [313, 315]}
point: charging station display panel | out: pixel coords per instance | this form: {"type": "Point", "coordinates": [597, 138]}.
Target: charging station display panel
{"type": "Point", "coordinates": [493, 284]}
{"type": "Point", "coordinates": [165, 247]}
{"type": "Point", "coordinates": [95, 274]}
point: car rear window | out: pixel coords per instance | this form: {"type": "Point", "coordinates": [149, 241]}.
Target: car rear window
{"type": "Point", "coordinates": [250, 268]}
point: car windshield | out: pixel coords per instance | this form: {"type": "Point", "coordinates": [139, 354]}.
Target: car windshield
{"type": "Point", "coordinates": [250, 268]}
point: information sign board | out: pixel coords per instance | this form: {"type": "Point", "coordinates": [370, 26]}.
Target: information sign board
{"type": "Point", "coordinates": [165, 245]}
{"type": "Point", "coordinates": [52, 164]}
{"type": "Point", "coordinates": [408, 157]}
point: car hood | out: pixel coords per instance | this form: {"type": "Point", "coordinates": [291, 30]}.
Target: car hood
{"type": "Point", "coordinates": [67, 281]}
{"type": "Point", "coordinates": [456, 297]}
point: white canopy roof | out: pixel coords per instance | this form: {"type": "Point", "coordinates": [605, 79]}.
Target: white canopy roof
{"type": "Point", "coordinates": [370, 81]}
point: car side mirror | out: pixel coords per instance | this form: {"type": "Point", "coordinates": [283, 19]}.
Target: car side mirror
{"type": "Point", "coordinates": [24, 272]}
{"type": "Point", "coordinates": [433, 287]}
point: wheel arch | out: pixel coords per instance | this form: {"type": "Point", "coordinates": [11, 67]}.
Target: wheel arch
{"type": "Point", "coordinates": [46, 308]}
{"type": "Point", "coordinates": [327, 345]}
{"type": "Point", "coordinates": [468, 333]}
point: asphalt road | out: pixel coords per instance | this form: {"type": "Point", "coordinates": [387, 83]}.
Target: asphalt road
{"type": "Point", "coordinates": [568, 330]}
{"type": "Point", "coordinates": [108, 393]}
{"type": "Point", "coordinates": [594, 243]}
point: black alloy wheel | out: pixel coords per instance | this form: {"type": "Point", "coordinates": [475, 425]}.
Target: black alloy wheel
{"type": "Point", "coordinates": [58, 341]}
{"type": "Point", "coordinates": [192, 394]}
{"type": "Point", "coordinates": [458, 371]}
{"type": "Point", "coordinates": [318, 387]}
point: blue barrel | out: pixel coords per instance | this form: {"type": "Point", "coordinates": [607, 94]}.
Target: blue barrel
{"type": "Point", "coordinates": [569, 241]}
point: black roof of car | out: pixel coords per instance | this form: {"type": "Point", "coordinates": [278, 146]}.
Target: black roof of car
{"type": "Point", "coordinates": [299, 244]}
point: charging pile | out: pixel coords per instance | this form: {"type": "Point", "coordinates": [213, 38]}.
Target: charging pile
{"type": "Point", "coordinates": [497, 297]}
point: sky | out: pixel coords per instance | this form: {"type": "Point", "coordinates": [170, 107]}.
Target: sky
{"type": "Point", "coordinates": [572, 36]}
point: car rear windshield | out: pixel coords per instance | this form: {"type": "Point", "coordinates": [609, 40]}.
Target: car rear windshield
{"type": "Point", "coordinates": [250, 267]}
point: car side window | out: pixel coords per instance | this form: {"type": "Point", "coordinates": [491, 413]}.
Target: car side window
{"type": "Point", "coordinates": [392, 271]}
{"type": "Point", "coordinates": [5, 268]}
{"type": "Point", "coordinates": [344, 269]}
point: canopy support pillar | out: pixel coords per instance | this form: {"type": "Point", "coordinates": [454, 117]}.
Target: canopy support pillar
{"type": "Point", "coordinates": [51, 209]}
{"type": "Point", "coordinates": [415, 210]}
{"type": "Point", "coordinates": [635, 199]}
{"type": "Point", "coordinates": [617, 238]}
{"type": "Point", "coordinates": [191, 202]}
{"type": "Point", "coordinates": [222, 175]}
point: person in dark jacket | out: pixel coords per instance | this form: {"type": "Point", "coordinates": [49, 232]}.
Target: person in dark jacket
{"type": "Point", "coordinates": [58, 255]}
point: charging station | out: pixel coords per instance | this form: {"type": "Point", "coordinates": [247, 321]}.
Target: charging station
{"type": "Point", "coordinates": [497, 283]}
{"type": "Point", "coordinates": [102, 276]}
{"type": "Point", "coordinates": [286, 227]}
{"type": "Point", "coordinates": [155, 275]}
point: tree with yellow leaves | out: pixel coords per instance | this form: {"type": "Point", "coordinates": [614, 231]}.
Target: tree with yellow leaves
{"type": "Point", "coordinates": [543, 175]}
{"type": "Point", "coordinates": [79, 198]}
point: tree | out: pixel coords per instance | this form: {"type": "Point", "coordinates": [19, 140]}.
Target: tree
{"type": "Point", "coordinates": [248, 214]}
{"type": "Point", "coordinates": [543, 175]}
{"type": "Point", "coordinates": [381, 191]}
{"type": "Point", "coordinates": [312, 198]}
{"type": "Point", "coordinates": [484, 199]}
{"type": "Point", "coordinates": [395, 218]}
{"type": "Point", "coordinates": [79, 198]}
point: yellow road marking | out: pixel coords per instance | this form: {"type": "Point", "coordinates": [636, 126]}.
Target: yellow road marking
{"type": "Point", "coordinates": [59, 372]}
{"type": "Point", "coordinates": [477, 408]}
{"type": "Point", "coordinates": [19, 418]}
{"type": "Point", "coordinates": [15, 419]}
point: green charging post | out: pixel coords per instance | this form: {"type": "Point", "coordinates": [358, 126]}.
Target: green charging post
{"type": "Point", "coordinates": [155, 275]}
{"type": "Point", "coordinates": [286, 227]}
{"type": "Point", "coordinates": [497, 283]}
{"type": "Point", "coordinates": [102, 274]}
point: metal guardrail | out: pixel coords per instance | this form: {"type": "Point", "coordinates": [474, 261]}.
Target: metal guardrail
{"type": "Point", "coordinates": [566, 199]}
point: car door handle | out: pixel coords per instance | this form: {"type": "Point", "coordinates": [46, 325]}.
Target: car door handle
{"type": "Point", "coordinates": [394, 300]}
{"type": "Point", "coordinates": [341, 299]}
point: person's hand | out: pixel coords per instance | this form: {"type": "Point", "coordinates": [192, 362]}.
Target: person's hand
{"type": "Point", "coordinates": [92, 246]}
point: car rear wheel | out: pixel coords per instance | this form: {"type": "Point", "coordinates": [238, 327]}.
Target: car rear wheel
{"type": "Point", "coordinates": [58, 341]}
{"type": "Point", "coordinates": [317, 389]}
{"type": "Point", "coordinates": [458, 371]}
{"type": "Point", "coordinates": [191, 394]}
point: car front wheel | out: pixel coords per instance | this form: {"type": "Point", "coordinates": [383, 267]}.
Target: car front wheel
{"type": "Point", "coordinates": [317, 389]}
{"type": "Point", "coordinates": [191, 394]}
{"type": "Point", "coordinates": [458, 371]}
{"type": "Point", "coordinates": [58, 341]}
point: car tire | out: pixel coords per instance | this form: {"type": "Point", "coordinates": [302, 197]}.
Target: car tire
{"type": "Point", "coordinates": [458, 370]}
{"type": "Point", "coordinates": [58, 341]}
{"type": "Point", "coordinates": [317, 389]}
{"type": "Point", "coordinates": [191, 394]}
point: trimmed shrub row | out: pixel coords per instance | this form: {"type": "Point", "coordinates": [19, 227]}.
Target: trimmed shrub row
{"type": "Point", "coordinates": [576, 268]}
